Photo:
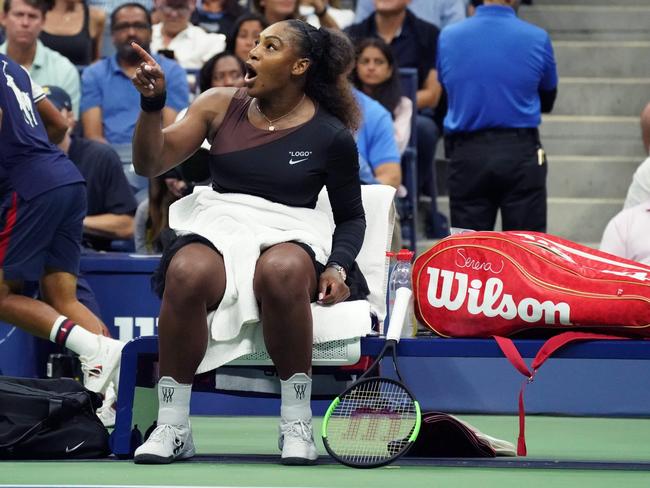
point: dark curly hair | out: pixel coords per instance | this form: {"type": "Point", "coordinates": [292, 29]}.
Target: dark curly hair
{"type": "Point", "coordinates": [389, 92]}
{"type": "Point", "coordinates": [332, 56]}
{"type": "Point", "coordinates": [205, 75]}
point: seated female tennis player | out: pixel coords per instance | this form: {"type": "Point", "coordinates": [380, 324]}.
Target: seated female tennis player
{"type": "Point", "coordinates": [275, 144]}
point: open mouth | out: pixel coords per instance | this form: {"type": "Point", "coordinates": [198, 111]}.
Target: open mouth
{"type": "Point", "coordinates": [251, 75]}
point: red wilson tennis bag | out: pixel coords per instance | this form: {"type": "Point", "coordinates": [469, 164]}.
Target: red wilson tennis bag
{"type": "Point", "coordinates": [485, 284]}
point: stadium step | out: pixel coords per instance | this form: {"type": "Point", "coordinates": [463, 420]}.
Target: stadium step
{"type": "Point", "coordinates": [601, 96]}
{"type": "Point", "coordinates": [603, 58]}
{"type": "Point", "coordinates": [577, 219]}
{"type": "Point", "coordinates": [590, 176]}
{"type": "Point", "coordinates": [591, 21]}
{"type": "Point", "coordinates": [618, 136]}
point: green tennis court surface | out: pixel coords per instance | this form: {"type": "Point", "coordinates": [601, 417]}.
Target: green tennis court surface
{"type": "Point", "coordinates": [241, 452]}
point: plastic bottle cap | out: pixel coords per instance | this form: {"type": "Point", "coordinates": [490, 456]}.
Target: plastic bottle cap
{"type": "Point", "coordinates": [404, 255]}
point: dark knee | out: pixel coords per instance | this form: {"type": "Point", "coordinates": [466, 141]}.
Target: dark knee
{"type": "Point", "coordinates": [188, 279]}
{"type": "Point", "coordinates": [282, 278]}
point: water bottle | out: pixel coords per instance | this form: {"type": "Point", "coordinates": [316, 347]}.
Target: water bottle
{"type": "Point", "coordinates": [400, 276]}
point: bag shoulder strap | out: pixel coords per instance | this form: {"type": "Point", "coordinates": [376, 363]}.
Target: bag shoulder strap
{"type": "Point", "coordinates": [556, 342]}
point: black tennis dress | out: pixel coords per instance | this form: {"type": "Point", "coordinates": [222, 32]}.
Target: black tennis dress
{"type": "Point", "coordinates": [290, 166]}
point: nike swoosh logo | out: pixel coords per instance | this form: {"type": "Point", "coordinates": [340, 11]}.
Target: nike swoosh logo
{"type": "Point", "coordinates": [291, 161]}
{"type": "Point", "coordinates": [67, 449]}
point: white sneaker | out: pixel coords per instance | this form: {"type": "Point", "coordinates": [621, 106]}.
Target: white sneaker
{"type": "Point", "coordinates": [100, 369]}
{"type": "Point", "coordinates": [296, 442]}
{"type": "Point", "coordinates": [167, 443]}
{"type": "Point", "coordinates": [106, 412]}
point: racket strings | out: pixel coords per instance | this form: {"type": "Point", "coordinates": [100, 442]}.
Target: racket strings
{"type": "Point", "coordinates": [372, 422]}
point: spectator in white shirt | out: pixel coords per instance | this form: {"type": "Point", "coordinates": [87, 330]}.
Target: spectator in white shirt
{"type": "Point", "coordinates": [191, 45]}
{"type": "Point", "coordinates": [639, 190]}
{"type": "Point", "coordinates": [626, 235]}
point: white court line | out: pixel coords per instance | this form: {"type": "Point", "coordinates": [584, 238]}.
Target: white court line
{"type": "Point", "coordinates": [129, 486]}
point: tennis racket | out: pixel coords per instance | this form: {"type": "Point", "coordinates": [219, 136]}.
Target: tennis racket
{"type": "Point", "coordinates": [376, 420]}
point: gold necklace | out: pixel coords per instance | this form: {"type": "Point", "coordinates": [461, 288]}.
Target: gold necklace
{"type": "Point", "coordinates": [271, 122]}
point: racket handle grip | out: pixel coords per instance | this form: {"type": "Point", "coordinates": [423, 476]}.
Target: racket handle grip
{"type": "Point", "coordinates": [398, 315]}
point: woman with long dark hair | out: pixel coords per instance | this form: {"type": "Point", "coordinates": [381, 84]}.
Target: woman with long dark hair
{"type": "Point", "coordinates": [376, 75]}
{"type": "Point", "coordinates": [244, 34]}
{"type": "Point", "coordinates": [223, 69]}
{"type": "Point", "coordinates": [275, 145]}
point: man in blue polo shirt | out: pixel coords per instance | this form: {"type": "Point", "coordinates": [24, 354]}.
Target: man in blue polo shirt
{"type": "Point", "coordinates": [42, 206]}
{"type": "Point", "coordinates": [109, 104]}
{"type": "Point", "coordinates": [499, 74]}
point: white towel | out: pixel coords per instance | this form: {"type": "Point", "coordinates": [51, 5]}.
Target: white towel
{"type": "Point", "coordinates": [241, 227]}
{"type": "Point", "coordinates": [248, 214]}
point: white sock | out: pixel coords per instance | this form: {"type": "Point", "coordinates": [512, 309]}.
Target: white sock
{"type": "Point", "coordinates": [74, 337]}
{"type": "Point", "coordinates": [295, 394]}
{"type": "Point", "coordinates": [173, 402]}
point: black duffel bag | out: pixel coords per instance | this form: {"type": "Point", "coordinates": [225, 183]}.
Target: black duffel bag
{"type": "Point", "coordinates": [49, 419]}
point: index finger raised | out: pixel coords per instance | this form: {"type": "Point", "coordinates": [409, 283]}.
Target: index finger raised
{"type": "Point", "coordinates": [144, 55]}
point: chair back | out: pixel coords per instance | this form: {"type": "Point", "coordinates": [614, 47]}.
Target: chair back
{"type": "Point", "coordinates": [372, 260]}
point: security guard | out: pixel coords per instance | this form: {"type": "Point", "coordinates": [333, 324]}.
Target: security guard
{"type": "Point", "coordinates": [499, 74]}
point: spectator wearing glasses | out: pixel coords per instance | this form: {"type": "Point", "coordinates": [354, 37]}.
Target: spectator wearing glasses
{"type": "Point", "coordinates": [177, 38]}
{"type": "Point", "coordinates": [109, 105]}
